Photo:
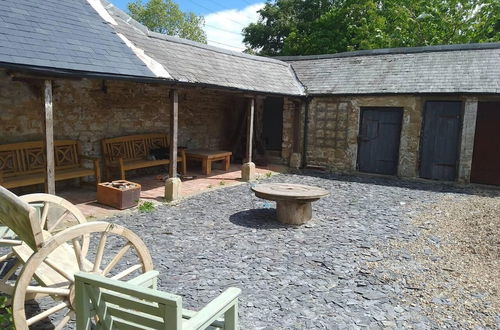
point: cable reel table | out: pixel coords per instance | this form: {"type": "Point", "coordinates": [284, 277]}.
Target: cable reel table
{"type": "Point", "coordinates": [293, 201]}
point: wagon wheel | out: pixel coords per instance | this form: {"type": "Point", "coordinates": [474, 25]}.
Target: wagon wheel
{"type": "Point", "coordinates": [56, 213]}
{"type": "Point", "coordinates": [50, 271]}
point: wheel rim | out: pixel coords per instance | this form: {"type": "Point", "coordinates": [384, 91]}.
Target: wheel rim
{"type": "Point", "coordinates": [56, 214]}
{"type": "Point", "coordinates": [60, 296]}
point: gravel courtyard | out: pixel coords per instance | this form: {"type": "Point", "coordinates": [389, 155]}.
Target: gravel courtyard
{"type": "Point", "coordinates": [327, 274]}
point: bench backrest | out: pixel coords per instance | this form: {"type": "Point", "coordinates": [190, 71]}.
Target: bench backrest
{"type": "Point", "coordinates": [30, 157]}
{"type": "Point", "coordinates": [132, 147]}
{"type": "Point", "coordinates": [21, 218]}
{"type": "Point", "coordinates": [121, 305]}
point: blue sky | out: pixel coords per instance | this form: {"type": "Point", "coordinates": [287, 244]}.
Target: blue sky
{"type": "Point", "coordinates": [200, 7]}
{"type": "Point", "coordinates": [224, 19]}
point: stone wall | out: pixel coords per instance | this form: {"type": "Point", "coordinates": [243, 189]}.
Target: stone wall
{"type": "Point", "coordinates": [334, 126]}
{"type": "Point", "coordinates": [89, 110]}
{"type": "Point", "coordinates": [293, 127]}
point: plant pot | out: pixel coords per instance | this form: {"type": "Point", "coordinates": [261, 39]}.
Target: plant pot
{"type": "Point", "coordinates": [120, 194]}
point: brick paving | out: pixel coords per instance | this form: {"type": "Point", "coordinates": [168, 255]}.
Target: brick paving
{"type": "Point", "coordinates": [153, 189]}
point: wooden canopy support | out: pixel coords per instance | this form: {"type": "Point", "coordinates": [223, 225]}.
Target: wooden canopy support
{"type": "Point", "coordinates": [174, 127]}
{"type": "Point", "coordinates": [250, 114]}
{"type": "Point", "coordinates": [50, 185]}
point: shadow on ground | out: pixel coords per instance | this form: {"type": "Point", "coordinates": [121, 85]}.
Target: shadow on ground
{"type": "Point", "coordinates": [263, 218]}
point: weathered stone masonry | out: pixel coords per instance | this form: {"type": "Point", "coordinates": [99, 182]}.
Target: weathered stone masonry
{"type": "Point", "coordinates": [89, 110]}
{"type": "Point", "coordinates": [334, 125]}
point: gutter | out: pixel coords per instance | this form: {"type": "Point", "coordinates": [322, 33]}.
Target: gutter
{"type": "Point", "coordinates": [67, 73]}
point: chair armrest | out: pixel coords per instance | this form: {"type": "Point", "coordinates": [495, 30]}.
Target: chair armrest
{"type": "Point", "coordinates": [214, 309]}
{"type": "Point", "coordinates": [147, 280]}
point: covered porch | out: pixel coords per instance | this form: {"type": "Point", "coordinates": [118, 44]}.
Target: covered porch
{"type": "Point", "coordinates": [49, 109]}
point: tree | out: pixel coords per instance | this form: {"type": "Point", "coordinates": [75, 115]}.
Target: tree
{"type": "Point", "coordinates": [165, 16]}
{"type": "Point", "coordinates": [295, 27]}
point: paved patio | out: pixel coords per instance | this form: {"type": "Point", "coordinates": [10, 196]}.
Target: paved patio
{"type": "Point", "coordinates": [153, 188]}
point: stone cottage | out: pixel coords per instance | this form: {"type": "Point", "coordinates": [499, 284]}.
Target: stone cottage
{"type": "Point", "coordinates": [416, 112]}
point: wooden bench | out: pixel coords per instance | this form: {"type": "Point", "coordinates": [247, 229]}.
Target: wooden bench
{"type": "Point", "coordinates": [24, 164]}
{"type": "Point", "coordinates": [133, 152]}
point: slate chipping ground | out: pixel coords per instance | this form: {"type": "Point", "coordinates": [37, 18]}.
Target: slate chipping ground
{"type": "Point", "coordinates": [321, 275]}
{"type": "Point", "coordinates": [314, 276]}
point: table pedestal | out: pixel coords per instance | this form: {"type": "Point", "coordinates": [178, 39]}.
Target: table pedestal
{"type": "Point", "coordinates": [293, 212]}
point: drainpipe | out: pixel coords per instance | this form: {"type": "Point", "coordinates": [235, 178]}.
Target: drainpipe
{"type": "Point", "coordinates": [306, 125]}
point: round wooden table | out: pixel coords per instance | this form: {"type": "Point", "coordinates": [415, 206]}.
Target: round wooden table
{"type": "Point", "coordinates": [293, 201]}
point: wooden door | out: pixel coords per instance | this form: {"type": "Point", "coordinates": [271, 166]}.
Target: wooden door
{"type": "Point", "coordinates": [380, 131]}
{"type": "Point", "coordinates": [486, 156]}
{"type": "Point", "coordinates": [440, 140]}
{"type": "Point", "coordinates": [273, 123]}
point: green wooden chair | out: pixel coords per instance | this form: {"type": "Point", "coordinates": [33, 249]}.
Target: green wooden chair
{"type": "Point", "coordinates": [104, 303]}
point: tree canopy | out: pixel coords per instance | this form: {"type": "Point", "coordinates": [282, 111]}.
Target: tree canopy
{"type": "Point", "coordinates": [165, 16]}
{"type": "Point", "coordinates": [305, 27]}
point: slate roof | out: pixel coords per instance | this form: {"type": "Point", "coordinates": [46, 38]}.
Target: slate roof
{"type": "Point", "coordinates": [65, 35]}
{"type": "Point", "coordinates": [472, 68]}
{"type": "Point", "coordinates": [192, 62]}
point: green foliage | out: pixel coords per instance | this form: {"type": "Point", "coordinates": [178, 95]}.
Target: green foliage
{"type": "Point", "coordinates": [302, 27]}
{"type": "Point", "coordinates": [222, 183]}
{"type": "Point", "coordinates": [6, 321]}
{"type": "Point", "coordinates": [165, 16]}
{"type": "Point", "coordinates": [146, 207]}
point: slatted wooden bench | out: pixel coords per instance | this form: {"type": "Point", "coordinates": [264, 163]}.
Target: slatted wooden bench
{"type": "Point", "coordinates": [133, 152]}
{"type": "Point", "coordinates": [24, 164]}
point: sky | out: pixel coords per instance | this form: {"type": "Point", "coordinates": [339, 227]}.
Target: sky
{"type": "Point", "coordinates": [224, 19]}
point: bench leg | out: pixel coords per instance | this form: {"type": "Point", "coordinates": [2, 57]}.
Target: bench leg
{"type": "Point", "coordinates": [184, 164]}
{"type": "Point", "coordinates": [227, 163]}
{"type": "Point", "coordinates": [205, 166]}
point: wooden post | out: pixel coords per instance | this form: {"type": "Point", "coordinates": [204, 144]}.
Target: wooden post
{"type": "Point", "coordinates": [174, 127]}
{"type": "Point", "coordinates": [173, 183]}
{"type": "Point", "coordinates": [248, 169]}
{"type": "Point", "coordinates": [50, 186]}
{"type": "Point", "coordinates": [250, 114]}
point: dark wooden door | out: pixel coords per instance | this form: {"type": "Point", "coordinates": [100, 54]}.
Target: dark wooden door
{"type": "Point", "coordinates": [440, 140]}
{"type": "Point", "coordinates": [486, 156]}
{"type": "Point", "coordinates": [380, 132]}
{"type": "Point", "coordinates": [273, 123]}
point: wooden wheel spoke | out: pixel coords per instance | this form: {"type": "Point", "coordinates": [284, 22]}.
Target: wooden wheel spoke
{"type": "Point", "coordinates": [4, 231]}
{"type": "Point", "coordinates": [61, 271]}
{"type": "Point", "coordinates": [56, 223]}
{"type": "Point", "coordinates": [10, 272]}
{"type": "Point", "coordinates": [48, 290]}
{"type": "Point", "coordinates": [78, 252]}
{"type": "Point", "coordinates": [116, 258]}
{"type": "Point", "coordinates": [47, 313]}
{"type": "Point", "coordinates": [7, 256]}
{"type": "Point", "coordinates": [126, 272]}
{"type": "Point", "coordinates": [65, 320]}
{"type": "Point", "coordinates": [100, 252]}
{"type": "Point", "coordinates": [45, 213]}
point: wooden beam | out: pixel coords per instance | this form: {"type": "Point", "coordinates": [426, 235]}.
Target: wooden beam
{"type": "Point", "coordinates": [250, 114]}
{"type": "Point", "coordinates": [50, 186]}
{"type": "Point", "coordinates": [174, 126]}
{"type": "Point", "coordinates": [296, 126]}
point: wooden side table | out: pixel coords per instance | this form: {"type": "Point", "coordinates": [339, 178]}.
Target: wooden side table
{"type": "Point", "coordinates": [208, 156]}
